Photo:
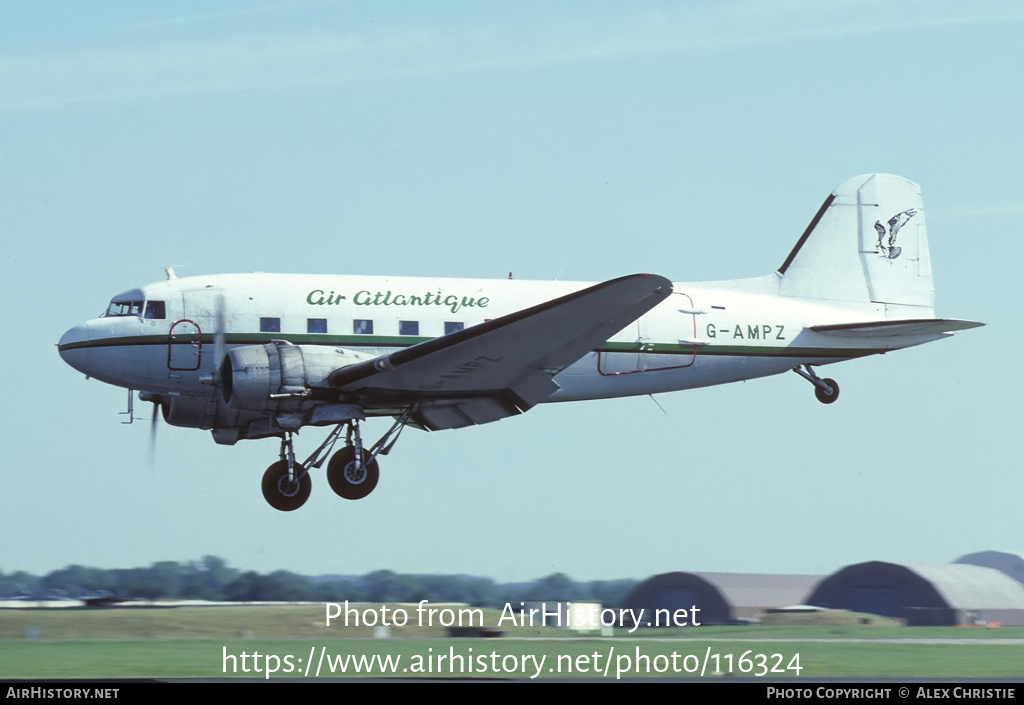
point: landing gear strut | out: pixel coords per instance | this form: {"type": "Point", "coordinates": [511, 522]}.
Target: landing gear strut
{"type": "Point", "coordinates": [826, 390]}
{"type": "Point", "coordinates": [352, 472]}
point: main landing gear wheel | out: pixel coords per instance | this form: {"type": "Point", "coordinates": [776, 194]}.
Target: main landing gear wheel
{"type": "Point", "coordinates": [283, 494]}
{"type": "Point", "coordinates": [348, 478]}
{"type": "Point", "coordinates": [823, 396]}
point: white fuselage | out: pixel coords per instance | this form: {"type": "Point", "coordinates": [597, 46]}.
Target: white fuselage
{"type": "Point", "coordinates": [701, 335]}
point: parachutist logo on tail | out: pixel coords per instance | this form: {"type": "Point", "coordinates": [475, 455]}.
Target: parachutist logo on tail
{"type": "Point", "coordinates": [895, 223]}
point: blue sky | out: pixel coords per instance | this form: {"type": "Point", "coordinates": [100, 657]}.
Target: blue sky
{"type": "Point", "coordinates": [570, 140]}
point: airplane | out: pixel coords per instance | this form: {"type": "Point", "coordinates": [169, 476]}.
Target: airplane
{"type": "Point", "coordinates": [251, 356]}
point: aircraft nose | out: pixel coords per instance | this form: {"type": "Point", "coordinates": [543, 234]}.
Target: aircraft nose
{"type": "Point", "coordinates": [74, 347]}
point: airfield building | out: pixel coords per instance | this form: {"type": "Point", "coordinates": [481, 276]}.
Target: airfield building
{"type": "Point", "coordinates": [1010, 563]}
{"type": "Point", "coordinates": [924, 594]}
{"type": "Point", "coordinates": [721, 597]}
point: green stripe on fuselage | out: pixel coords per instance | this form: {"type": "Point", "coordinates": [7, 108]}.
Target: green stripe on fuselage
{"type": "Point", "coordinates": [395, 341]}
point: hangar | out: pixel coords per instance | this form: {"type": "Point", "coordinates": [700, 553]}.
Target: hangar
{"type": "Point", "coordinates": [720, 597]}
{"type": "Point", "coordinates": [924, 594]}
{"type": "Point", "coordinates": [1010, 563]}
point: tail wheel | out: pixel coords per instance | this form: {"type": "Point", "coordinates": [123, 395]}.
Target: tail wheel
{"type": "Point", "coordinates": [286, 494]}
{"type": "Point", "coordinates": [824, 396]}
{"type": "Point", "coordinates": [349, 479]}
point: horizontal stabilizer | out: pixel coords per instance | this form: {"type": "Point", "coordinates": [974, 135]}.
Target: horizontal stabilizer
{"type": "Point", "coordinates": [896, 329]}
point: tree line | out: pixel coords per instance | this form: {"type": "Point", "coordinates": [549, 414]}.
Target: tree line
{"type": "Point", "coordinates": [210, 578]}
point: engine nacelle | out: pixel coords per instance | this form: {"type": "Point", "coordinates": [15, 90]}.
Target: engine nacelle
{"type": "Point", "coordinates": [189, 412]}
{"type": "Point", "coordinates": [277, 377]}
{"type": "Point", "coordinates": [192, 412]}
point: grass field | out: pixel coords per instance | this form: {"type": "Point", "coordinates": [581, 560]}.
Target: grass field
{"type": "Point", "coordinates": [294, 642]}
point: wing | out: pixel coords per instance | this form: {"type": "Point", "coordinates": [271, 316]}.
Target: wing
{"type": "Point", "coordinates": [501, 367]}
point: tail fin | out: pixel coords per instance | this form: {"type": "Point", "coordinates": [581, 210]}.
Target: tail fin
{"type": "Point", "coordinates": [867, 243]}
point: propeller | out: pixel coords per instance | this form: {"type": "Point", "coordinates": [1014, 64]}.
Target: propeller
{"type": "Point", "coordinates": [152, 435]}
{"type": "Point", "coordinates": [219, 348]}
{"type": "Point", "coordinates": [158, 402]}
{"type": "Point", "coordinates": [218, 335]}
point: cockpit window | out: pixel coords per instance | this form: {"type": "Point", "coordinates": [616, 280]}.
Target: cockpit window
{"type": "Point", "coordinates": [155, 309]}
{"type": "Point", "coordinates": [124, 308]}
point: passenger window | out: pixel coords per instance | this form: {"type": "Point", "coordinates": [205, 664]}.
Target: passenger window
{"type": "Point", "coordinates": [408, 327]}
{"type": "Point", "coordinates": [156, 309]}
{"type": "Point", "coordinates": [362, 327]}
{"type": "Point", "coordinates": [270, 325]}
{"type": "Point", "coordinates": [453, 327]}
{"type": "Point", "coordinates": [316, 325]}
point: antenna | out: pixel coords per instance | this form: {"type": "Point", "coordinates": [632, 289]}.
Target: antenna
{"type": "Point", "coordinates": [658, 405]}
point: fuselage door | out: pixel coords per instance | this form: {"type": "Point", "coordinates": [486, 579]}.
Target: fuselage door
{"type": "Point", "coordinates": [677, 347]}
{"type": "Point", "coordinates": [184, 345]}
{"type": "Point", "coordinates": [661, 340]}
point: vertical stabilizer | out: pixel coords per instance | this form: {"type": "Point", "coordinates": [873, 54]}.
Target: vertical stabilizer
{"type": "Point", "coordinates": [867, 243]}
